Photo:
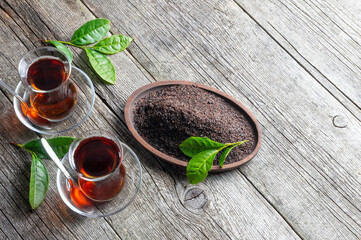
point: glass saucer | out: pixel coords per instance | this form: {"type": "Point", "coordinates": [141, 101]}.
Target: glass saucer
{"type": "Point", "coordinates": [133, 181]}
{"type": "Point", "coordinates": [83, 107]}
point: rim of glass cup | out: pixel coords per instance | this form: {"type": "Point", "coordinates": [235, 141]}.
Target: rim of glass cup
{"type": "Point", "coordinates": [23, 78]}
{"type": "Point", "coordinates": [92, 134]}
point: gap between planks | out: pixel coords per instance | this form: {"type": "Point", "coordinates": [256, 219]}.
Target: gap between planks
{"type": "Point", "coordinates": [108, 104]}
{"type": "Point", "coordinates": [349, 101]}
{"type": "Point", "coordinates": [283, 217]}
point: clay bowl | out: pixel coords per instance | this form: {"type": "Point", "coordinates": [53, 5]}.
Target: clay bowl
{"type": "Point", "coordinates": [139, 93]}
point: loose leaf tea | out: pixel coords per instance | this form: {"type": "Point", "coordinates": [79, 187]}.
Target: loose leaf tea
{"type": "Point", "coordinates": [92, 32]}
{"type": "Point", "coordinates": [166, 116]}
{"type": "Point", "coordinates": [39, 182]}
{"type": "Point", "coordinates": [203, 151]}
{"type": "Point", "coordinates": [60, 146]}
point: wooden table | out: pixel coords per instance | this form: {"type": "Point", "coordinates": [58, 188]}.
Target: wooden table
{"type": "Point", "coordinates": [295, 64]}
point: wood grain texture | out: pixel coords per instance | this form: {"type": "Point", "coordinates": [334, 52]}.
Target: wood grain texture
{"type": "Point", "coordinates": [305, 181]}
{"type": "Point", "coordinates": [161, 204]}
{"type": "Point", "coordinates": [324, 37]}
{"type": "Point", "coordinates": [308, 169]}
{"type": "Point", "coordinates": [53, 220]}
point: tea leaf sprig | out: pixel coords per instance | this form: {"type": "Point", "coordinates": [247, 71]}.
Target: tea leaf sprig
{"type": "Point", "coordinates": [39, 176]}
{"type": "Point", "coordinates": [203, 151]}
{"type": "Point", "coordinates": [90, 33]}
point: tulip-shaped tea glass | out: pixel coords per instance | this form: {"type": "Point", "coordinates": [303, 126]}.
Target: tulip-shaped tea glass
{"type": "Point", "coordinates": [45, 72]}
{"type": "Point", "coordinates": [97, 160]}
{"type": "Point", "coordinates": [107, 170]}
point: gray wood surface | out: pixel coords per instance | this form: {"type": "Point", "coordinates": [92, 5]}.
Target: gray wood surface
{"type": "Point", "coordinates": [295, 64]}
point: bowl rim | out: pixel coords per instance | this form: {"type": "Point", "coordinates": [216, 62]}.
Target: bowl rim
{"type": "Point", "coordinates": [128, 114]}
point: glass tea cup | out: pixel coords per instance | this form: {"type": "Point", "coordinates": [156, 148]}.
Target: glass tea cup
{"type": "Point", "coordinates": [45, 72]}
{"type": "Point", "coordinates": [97, 161]}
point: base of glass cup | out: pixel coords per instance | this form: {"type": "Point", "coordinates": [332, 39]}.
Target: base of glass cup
{"type": "Point", "coordinates": [70, 100]}
{"type": "Point", "coordinates": [115, 194]}
{"type": "Point", "coordinates": [61, 119]}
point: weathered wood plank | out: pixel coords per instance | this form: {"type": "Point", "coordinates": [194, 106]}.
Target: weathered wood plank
{"type": "Point", "coordinates": [307, 168]}
{"type": "Point", "coordinates": [13, 176]}
{"type": "Point", "coordinates": [15, 180]}
{"type": "Point", "coordinates": [324, 37]}
{"type": "Point", "coordinates": [152, 208]}
{"type": "Point", "coordinates": [7, 229]}
{"type": "Point", "coordinates": [46, 222]}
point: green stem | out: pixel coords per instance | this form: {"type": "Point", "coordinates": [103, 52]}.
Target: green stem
{"type": "Point", "coordinates": [15, 144]}
{"type": "Point", "coordinates": [72, 44]}
{"type": "Point", "coordinates": [236, 143]}
{"type": "Point", "coordinates": [241, 142]}
{"type": "Point", "coordinates": [23, 147]}
{"type": "Point", "coordinates": [69, 43]}
{"type": "Point", "coordinates": [231, 144]}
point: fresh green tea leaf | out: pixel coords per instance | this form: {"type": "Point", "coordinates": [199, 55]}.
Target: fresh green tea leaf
{"type": "Point", "coordinates": [113, 44]}
{"type": "Point", "coordinates": [102, 65]}
{"type": "Point", "coordinates": [199, 165]}
{"type": "Point", "coordinates": [225, 153]}
{"type": "Point", "coordinates": [39, 182]}
{"type": "Point", "coordinates": [194, 145]}
{"type": "Point", "coordinates": [60, 146]}
{"type": "Point", "coordinates": [62, 48]}
{"type": "Point", "coordinates": [91, 32]}
{"type": "Point", "coordinates": [203, 151]}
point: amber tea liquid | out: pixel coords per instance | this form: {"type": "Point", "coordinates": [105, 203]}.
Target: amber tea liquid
{"type": "Point", "coordinates": [58, 97]}
{"type": "Point", "coordinates": [46, 74]}
{"type": "Point", "coordinates": [98, 157]}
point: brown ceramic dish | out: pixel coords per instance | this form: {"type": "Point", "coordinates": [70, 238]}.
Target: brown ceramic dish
{"type": "Point", "coordinates": [139, 93]}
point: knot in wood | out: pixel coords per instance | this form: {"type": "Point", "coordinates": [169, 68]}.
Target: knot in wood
{"type": "Point", "coordinates": [339, 121]}
{"type": "Point", "coordinates": [195, 198]}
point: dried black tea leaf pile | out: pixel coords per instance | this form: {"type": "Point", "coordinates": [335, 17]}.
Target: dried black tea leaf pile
{"type": "Point", "coordinates": [165, 118]}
